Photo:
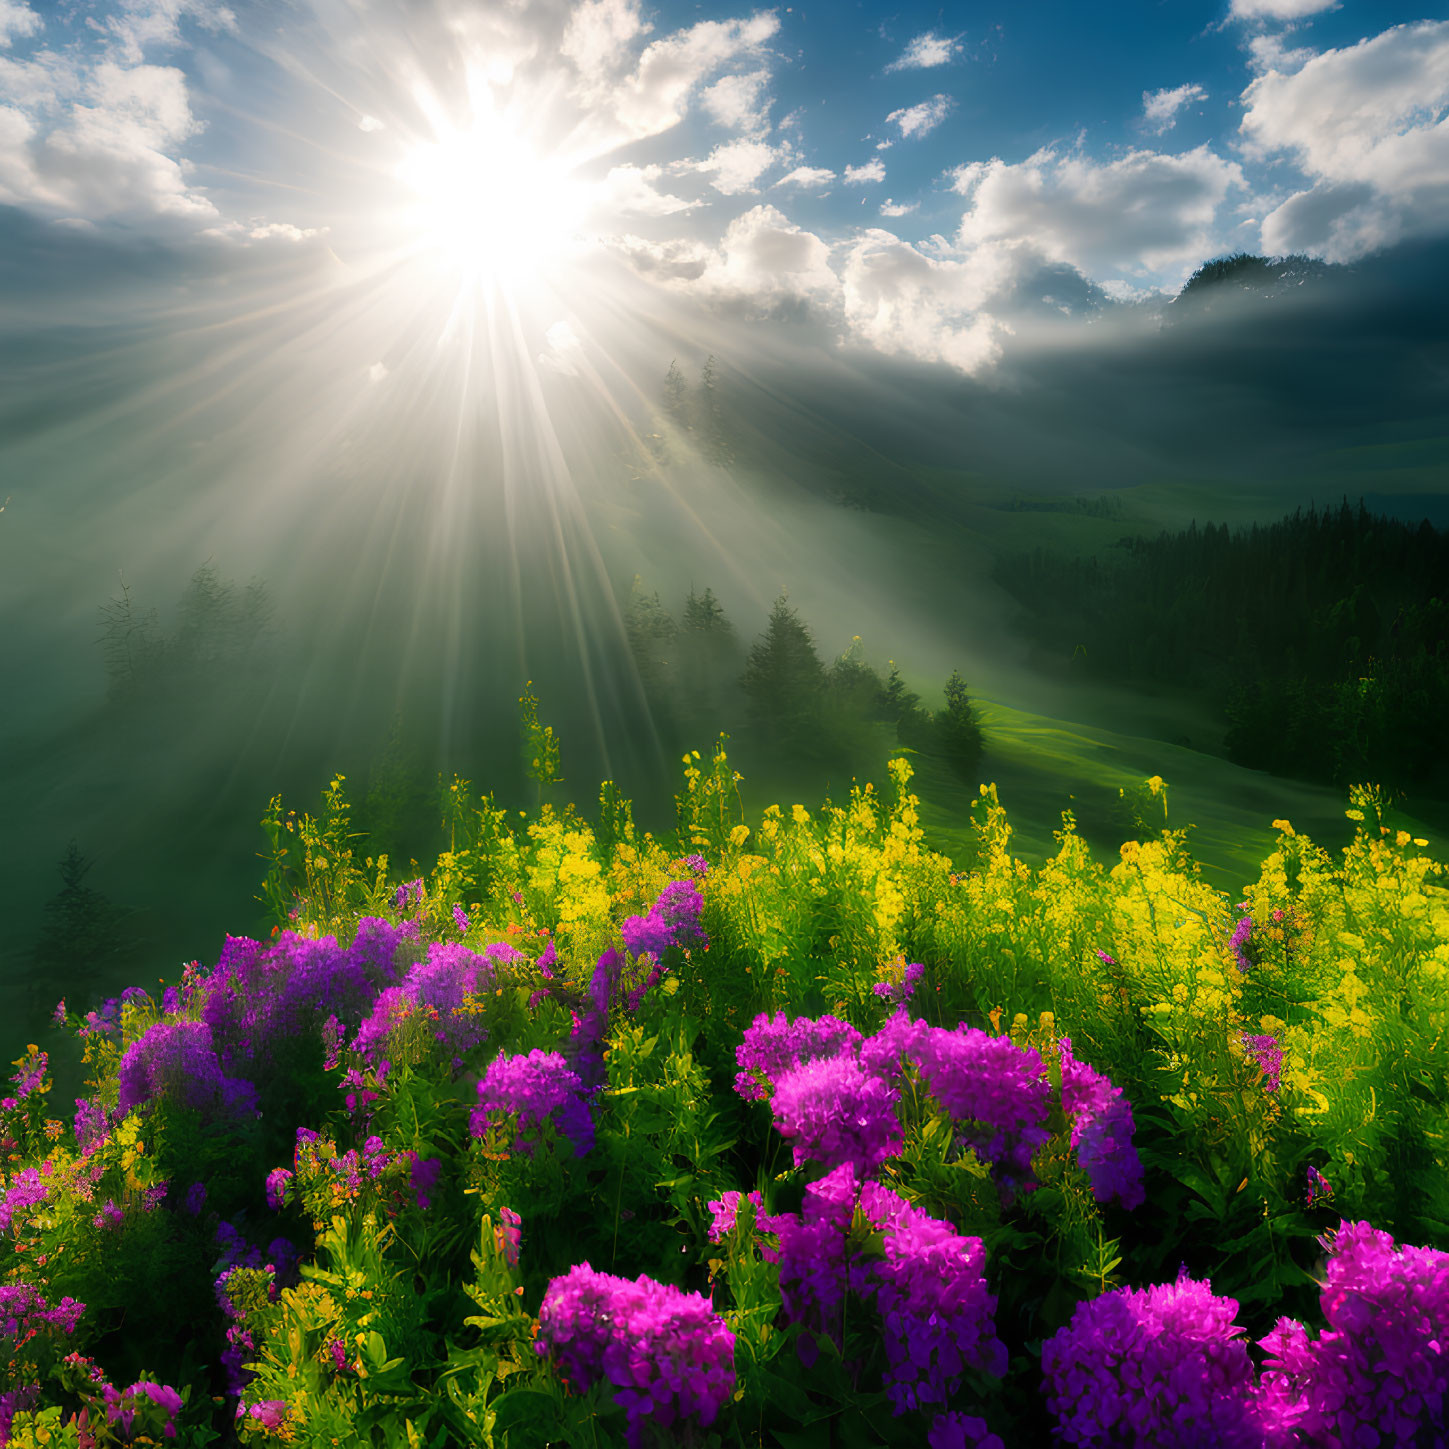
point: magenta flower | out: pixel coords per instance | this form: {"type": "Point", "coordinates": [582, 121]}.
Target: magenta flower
{"type": "Point", "coordinates": [534, 1087]}
{"type": "Point", "coordinates": [834, 1112]}
{"type": "Point", "coordinates": [1377, 1373]}
{"type": "Point", "coordinates": [774, 1045]}
{"type": "Point", "coordinates": [1267, 1056]}
{"type": "Point", "coordinates": [669, 1357]}
{"type": "Point", "coordinates": [1102, 1128]}
{"type": "Point", "coordinates": [1318, 1186]}
{"type": "Point", "coordinates": [1161, 1366]}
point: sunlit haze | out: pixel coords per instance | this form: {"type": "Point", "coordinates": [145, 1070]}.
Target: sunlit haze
{"type": "Point", "coordinates": [376, 302]}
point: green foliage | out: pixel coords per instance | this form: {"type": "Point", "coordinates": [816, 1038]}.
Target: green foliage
{"type": "Point", "coordinates": [408, 1324]}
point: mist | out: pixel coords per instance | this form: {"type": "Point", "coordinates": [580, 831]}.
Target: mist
{"type": "Point", "coordinates": [430, 524]}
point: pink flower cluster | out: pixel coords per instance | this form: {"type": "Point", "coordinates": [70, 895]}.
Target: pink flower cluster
{"type": "Point", "coordinates": [668, 1355]}
{"type": "Point", "coordinates": [534, 1088]}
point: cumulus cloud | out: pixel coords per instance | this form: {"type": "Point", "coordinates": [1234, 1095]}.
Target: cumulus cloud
{"type": "Point", "coordinates": [1146, 211]}
{"type": "Point", "coordinates": [922, 119]}
{"type": "Point", "coordinates": [102, 142]}
{"type": "Point", "coordinates": [809, 177]}
{"type": "Point", "coordinates": [926, 51]}
{"type": "Point", "coordinates": [16, 19]}
{"type": "Point", "coordinates": [900, 300]}
{"type": "Point", "coordinates": [1269, 52]}
{"type": "Point", "coordinates": [1160, 108]}
{"type": "Point", "coordinates": [1366, 125]}
{"type": "Point", "coordinates": [1279, 9]}
{"type": "Point", "coordinates": [735, 101]}
{"type": "Point", "coordinates": [630, 190]}
{"type": "Point", "coordinates": [142, 25]}
{"type": "Point", "coordinates": [598, 36]}
{"type": "Point", "coordinates": [735, 168]}
{"type": "Point", "coordinates": [860, 175]}
{"type": "Point", "coordinates": [655, 97]}
{"type": "Point", "coordinates": [896, 208]}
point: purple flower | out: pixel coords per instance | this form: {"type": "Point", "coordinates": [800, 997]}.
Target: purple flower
{"type": "Point", "coordinates": [725, 1213]}
{"type": "Point", "coordinates": [900, 982]}
{"type": "Point", "coordinates": [961, 1431]}
{"type": "Point", "coordinates": [279, 1181]}
{"type": "Point", "coordinates": [508, 1235]}
{"type": "Point", "coordinates": [1318, 1185]}
{"type": "Point", "coordinates": [772, 1046]}
{"type": "Point", "coordinates": [669, 1357]}
{"type": "Point", "coordinates": [1266, 1055]}
{"type": "Point", "coordinates": [696, 863]}
{"type": "Point", "coordinates": [1105, 959]}
{"type": "Point", "coordinates": [424, 1177]}
{"type": "Point", "coordinates": [1377, 1373]}
{"type": "Point", "coordinates": [195, 1199]}
{"type": "Point", "coordinates": [176, 1059]}
{"type": "Point", "coordinates": [460, 919]}
{"type": "Point", "coordinates": [833, 1112]}
{"type": "Point", "coordinates": [996, 1091]}
{"type": "Point", "coordinates": [673, 920]}
{"type": "Point", "coordinates": [1162, 1366]}
{"type": "Point", "coordinates": [410, 893]}
{"type": "Point", "coordinates": [1240, 941]}
{"type": "Point", "coordinates": [23, 1311]}
{"type": "Point", "coordinates": [109, 1217]}
{"type": "Point", "coordinates": [271, 1414]}
{"type": "Point", "coordinates": [1102, 1128]}
{"type": "Point", "coordinates": [29, 1078]}
{"type": "Point", "coordinates": [937, 1317]}
{"type": "Point", "coordinates": [534, 1087]}
{"type": "Point", "coordinates": [27, 1189]}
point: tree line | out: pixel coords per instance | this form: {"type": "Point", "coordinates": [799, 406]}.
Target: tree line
{"type": "Point", "coordinates": [1322, 640]}
{"type": "Point", "coordinates": [779, 697]}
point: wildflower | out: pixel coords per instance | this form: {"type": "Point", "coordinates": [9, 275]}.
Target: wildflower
{"type": "Point", "coordinates": [410, 893]}
{"type": "Point", "coordinates": [57, 1017]}
{"type": "Point", "coordinates": [996, 1091]}
{"type": "Point", "coordinates": [109, 1217]}
{"type": "Point", "coordinates": [1376, 1373]}
{"type": "Point", "coordinates": [279, 1181]}
{"type": "Point", "coordinates": [508, 1235]}
{"type": "Point", "coordinates": [1102, 1128]}
{"type": "Point", "coordinates": [834, 1112]}
{"type": "Point", "coordinates": [772, 1046]}
{"type": "Point", "coordinates": [1267, 1056]}
{"type": "Point", "coordinates": [271, 1414]}
{"type": "Point", "coordinates": [696, 863]}
{"type": "Point", "coordinates": [23, 1310]}
{"type": "Point", "coordinates": [1241, 939]}
{"type": "Point", "coordinates": [673, 920]}
{"type": "Point", "coordinates": [1105, 959]}
{"type": "Point", "coordinates": [460, 919]}
{"type": "Point", "coordinates": [1318, 1186]}
{"type": "Point", "coordinates": [534, 1087]}
{"type": "Point", "coordinates": [669, 1357]}
{"type": "Point", "coordinates": [195, 1199]}
{"type": "Point", "coordinates": [1161, 1366]}
{"type": "Point", "coordinates": [900, 981]}
{"type": "Point", "coordinates": [177, 1060]}
{"type": "Point", "coordinates": [961, 1431]}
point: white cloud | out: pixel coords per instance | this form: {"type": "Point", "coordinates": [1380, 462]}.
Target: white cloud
{"type": "Point", "coordinates": [926, 51]}
{"type": "Point", "coordinates": [1268, 52]}
{"type": "Point", "coordinates": [894, 208]}
{"type": "Point", "coordinates": [900, 300]}
{"type": "Point", "coordinates": [142, 25]}
{"type": "Point", "coordinates": [1143, 212]}
{"type": "Point", "coordinates": [283, 231]}
{"type": "Point", "coordinates": [734, 101]}
{"type": "Point", "coordinates": [921, 120]}
{"type": "Point", "coordinates": [16, 18]}
{"type": "Point", "coordinates": [1278, 9]}
{"type": "Point", "coordinates": [598, 35]}
{"type": "Point", "coordinates": [630, 190]}
{"type": "Point", "coordinates": [1160, 108]}
{"type": "Point", "coordinates": [1366, 125]}
{"type": "Point", "coordinates": [736, 167]}
{"type": "Point", "coordinates": [808, 177]}
{"type": "Point", "coordinates": [859, 175]}
{"type": "Point", "coordinates": [656, 96]}
{"type": "Point", "coordinates": [370, 123]}
{"type": "Point", "coordinates": [377, 372]}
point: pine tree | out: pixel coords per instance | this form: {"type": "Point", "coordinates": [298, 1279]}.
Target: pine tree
{"type": "Point", "coordinates": [784, 683]}
{"type": "Point", "coordinates": [85, 938]}
{"type": "Point", "coordinates": [714, 437]}
{"type": "Point", "coordinates": [958, 729]}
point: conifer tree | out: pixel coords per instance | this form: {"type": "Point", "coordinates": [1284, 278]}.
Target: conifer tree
{"type": "Point", "coordinates": [784, 683]}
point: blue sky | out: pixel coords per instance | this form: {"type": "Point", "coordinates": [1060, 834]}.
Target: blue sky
{"type": "Point", "coordinates": [899, 171]}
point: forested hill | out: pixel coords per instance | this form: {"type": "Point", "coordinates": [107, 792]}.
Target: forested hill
{"type": "Point", "coordinates": [1323, 639]}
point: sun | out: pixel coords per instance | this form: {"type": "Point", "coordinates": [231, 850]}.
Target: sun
{"type": "Point", "coordinates": [488, 204]}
